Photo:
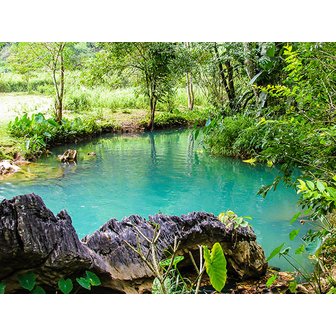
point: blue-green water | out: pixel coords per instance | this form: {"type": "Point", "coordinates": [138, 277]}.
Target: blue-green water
{"type": "Point", "coordinates": [161, 172]}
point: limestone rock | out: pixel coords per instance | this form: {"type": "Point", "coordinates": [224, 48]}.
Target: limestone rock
{"type": "Point", "coordinates": [70, 155]}
{"type": "Point", "coordinates": [8, 167]}
{"type": "Point", "coordinates": [32, 238]}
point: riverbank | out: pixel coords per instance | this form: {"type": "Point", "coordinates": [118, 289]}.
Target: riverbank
{"type": "Point", "coordinates": [76, 127]}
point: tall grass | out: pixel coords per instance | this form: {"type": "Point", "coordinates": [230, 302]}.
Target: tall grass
{"type": "Point", "coordinates": [39, 82]}
{"type": "Point", "coordinates": [83, 99]}
{"type": "Point", "coordinates": [80, 98]}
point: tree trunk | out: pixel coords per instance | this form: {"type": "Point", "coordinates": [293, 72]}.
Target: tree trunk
{"type": "Point", "coordinates": [153, 101]}
{"type": "Point", "coordinates": [223, 78]}
{"type": "Point", "coordinates": [231, 93]}
{"type": "Point", "coordinates": [250, 67]}
{"type": "Point", "coordinates": [59, 87]}
{"type": "Point", "coordinates": [61, 92]}
{"type": "Point", "coordinates": [190, 91]}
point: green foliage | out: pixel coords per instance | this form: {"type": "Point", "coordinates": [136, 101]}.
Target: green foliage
{"type": "Point", "coordinates": [318, 196]}
{"type": "Point", "coordinates": [271, 280]}
{"type": "Point", "coordinates": [84, 282]}
{"type": "Point", "coordinates": [65, 285]}
{"type": "Point", "coordinates": [93, 278]}
{"type": "Point", "coordinates": [167, 262]}
{"type": "Point", "coordinates": [40, 132]}
{"type": "Point", "coordinates": [292, 287]}
{"type": "Point", "coordinates": [90, 279]}
{"type": "Point", "coordinates": [332, 290]}
{"type": "Point", "coordinates": [38, 290]}
{"type": "Point", "coordinates": [275, 252]}
{"type": "Point", "coordinates": [293, 234]}
{"type": "Point", "coordinates": [27, 280]}
{"type": "Point", "coordinates": [2, 287]}
{"type": "Point", "coordinates": [230, 217]}
{"type": "Point", "coordinates": [215, 264]}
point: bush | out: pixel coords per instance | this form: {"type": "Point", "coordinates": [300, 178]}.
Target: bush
{"type": "Point", "coordinates": [39, 132]}
{"type": "Point", "coordinates": [78, 101]}
{"type": "Point", "coordinates": [226, 136]}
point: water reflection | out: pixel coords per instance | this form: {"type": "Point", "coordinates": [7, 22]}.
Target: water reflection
{"type": "Point", "coordinates": [165, 172]}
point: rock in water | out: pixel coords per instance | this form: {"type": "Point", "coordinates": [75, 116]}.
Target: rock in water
{"type": "Point", "coordinates": [32, 238]}
{"type": "Point", "coordinates": [70, 155]}
{"type": "Point", "coordinates": [7, 167]}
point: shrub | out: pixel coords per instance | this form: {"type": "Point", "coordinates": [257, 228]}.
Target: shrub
{"type": "Point", "coordinates": [40, 132]}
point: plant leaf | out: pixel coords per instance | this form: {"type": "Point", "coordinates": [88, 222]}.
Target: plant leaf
{"type": "Point", "coordinates": [275, 252]}
{"type": "Point", "coordinates": [215, 265]}
{"type": "Point", "coordinates": [251, 161]}
{"type": "Point", "coordinates": [166, 262]}
{"type": "Point", "coordinates": [27, 280]}
{"type": "Point", "coordinates": [84, 282]}
{"type": "Point", "coordinates": [320, 186]}
{"type": "Point", "coordinates": [293, 234]}
{"type": "Point", "coordinates": [295, 217]}
{"type": "Point", "coordinates": [65, 285]}
{"type": "Point", "coordinates": [271, 280]}
{"type": "Point", "coordinates": [292, 286]}
{"type": "Point", "coordinates": [2, 287]}
{"type": "Point", "coordinates": [300, 249]}
{"type": "Point", "coordinates": [38, 290]}
{"type": "Point", "coordinates": [93, 278]}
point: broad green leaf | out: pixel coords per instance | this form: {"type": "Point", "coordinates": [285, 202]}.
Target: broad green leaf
{"type": "Point", "coordinates": [300, 249]}
{"type": "Point", "coordinates": [275, 252]}
{"type": "Point", "coordinates": [93, 278]}
{"type": "Point", "coordinates": [84, 282]}
{"type": "Point", "coordinates": [293, 234]}
{"type": "Point", "coordinates": [166, 262]}
{"type": "Point", "coordinates": [215, 265]}
{"type": "Point", "coordinates": [65, 285]}
{"type": "Point", "coordinates": [292, 286]}
{"type": "Point", "coordinates": [311, 185]}
{"type": "Point", "coordinates": [271, 280]}
{"type": "Point", "coordinates": [270, 52]}
{"type": "Point", "coordinates": [38, 290]}
{"type": "Point", "coordinates": [27, 280]}
{"type": "Point", "coordinates": [295, 217]}
{"type": "Point", "coordinates": [2, 287]}
{"type": "Point", "coordinates": [320, 186]}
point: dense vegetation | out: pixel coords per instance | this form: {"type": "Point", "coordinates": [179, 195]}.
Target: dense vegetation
{"type": "Point", "coordinates": [265, 103]}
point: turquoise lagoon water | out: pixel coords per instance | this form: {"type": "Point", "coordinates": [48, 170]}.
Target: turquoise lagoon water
{"type": "Point", "coordinates": [164, 172]}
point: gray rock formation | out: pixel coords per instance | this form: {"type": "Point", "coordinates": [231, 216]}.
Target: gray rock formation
{"type": "Point", "coordinates": [32, 238]}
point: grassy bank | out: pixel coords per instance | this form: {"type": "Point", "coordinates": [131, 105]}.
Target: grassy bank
{"type": "Point", "coordinates": [28, 127]}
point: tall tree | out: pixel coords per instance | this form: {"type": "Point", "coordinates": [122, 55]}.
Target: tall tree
{"type": "Point", "coordinates": [189, 84]}
{"type": "Point", "coordinates": [51, 56]}
{"type": "Point", "coordinates": [152, 63]}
